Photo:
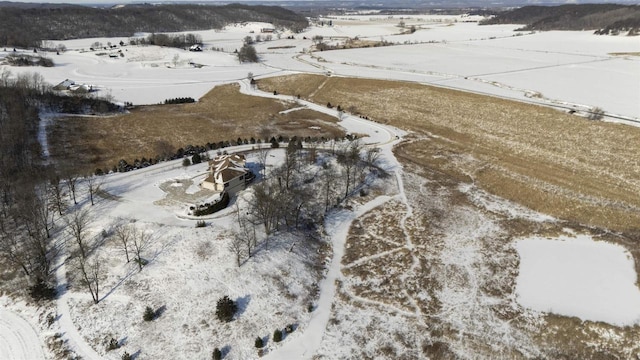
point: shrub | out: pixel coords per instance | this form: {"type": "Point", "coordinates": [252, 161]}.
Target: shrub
{"type": "Point", "coordinates": [42, 291]}
{"type": "Point", "coordinates": [277, 335]}
{"type": "Point", "coordinates": [596, 114]}
{"type": "Point", "coordinates": [149, 314]}
{"type": "Point", "coordinates": [225, 309]}
{"type": "Point", "coordinates": [126, 356]}
{"type": "Point", "coordinates": [186, 162]}
{"type": "Point", "coordinates": [113, 344]}
{"type": "Point", "coordinates": [217, 354]}
{"type": "Point", "coordinates": [289, 329]}
{"type": "Point", "coordinates": [183, 100]}
{"type": "Point", "coordinates": [211, 208]}
{"type": "Point", "coordinates": [259, 343]}
{"type": "Point", "coordinates": [201, 223]}
{"type": "Point", "coordinates": [196, 159]}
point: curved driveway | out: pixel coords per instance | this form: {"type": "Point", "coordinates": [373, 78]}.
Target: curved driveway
{"type": "Point", "coordinates": [18, 339]}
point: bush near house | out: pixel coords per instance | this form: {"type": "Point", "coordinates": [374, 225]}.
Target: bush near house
{"type": "Point", "coordinates": [208, 209]}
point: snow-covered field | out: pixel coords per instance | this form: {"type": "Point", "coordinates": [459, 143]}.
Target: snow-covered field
{"type": "Point", "coordinates": [572, 69]}
{"type": "Point", "coordinates": [579, 277]}
{"type": "Point", "coordinates": [450, 260]}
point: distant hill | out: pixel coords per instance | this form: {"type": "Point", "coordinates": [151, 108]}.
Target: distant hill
{"type": "Point", "coordinates": [26, 26]}
{"type": "Point", "coordinates": [604, 18]}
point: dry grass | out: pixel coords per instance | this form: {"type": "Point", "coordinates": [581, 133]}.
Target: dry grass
{"type": "Point", "coordinates": [559, 164]}
{"type": "Point", "coordinates": [221, 115]}
{"type": "Point", "coordinates": [581, 171]}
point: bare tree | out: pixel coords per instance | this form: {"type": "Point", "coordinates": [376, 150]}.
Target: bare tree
{"type": "Point", "coordinates": [312, 152]}
{"type": "Point", "coordinates": [264, 207]}
{"type": "Point", "coordinates": [25, 231]}
{"type": "Point", "coordinates": [93, 185]}
{"type": "Point", "coordinates": [263, 154]}
{"type": "Point", "coordinates": [122, 232]}
{"type": "Point", "coordinates": [329, 175]}
{"type": "Point", "coordinates": [290, 163]}
{"type": "Point", "coordinates": [72, 181]}
{"type": "Point", "coordinates": [140, 241]}
{"type": "Point", "coordinates": [32, 220]}
{"type": "Point", "coordinates": [92, 274]}
{"type": "Point", "coordinates": [77, 227]}
{"type": "Point", "coordinates": [372, 156]}
{"type": "Point", "coordinates": [56, 193]}
{"type": "Point", "coordinates": [15, 250]}
{"type": "Point", "coordinates": [237, 246]}
{"type": "Point", "coordinates": [349, 156]}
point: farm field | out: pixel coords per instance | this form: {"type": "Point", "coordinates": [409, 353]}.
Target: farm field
{"type": "Point", "coordinates": [482, 207]}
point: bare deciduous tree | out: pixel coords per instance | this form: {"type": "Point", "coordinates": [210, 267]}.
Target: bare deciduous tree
{"type": "Point", "coordinates": [264, 206]}
{"type": "Point", "coordinates": [237, 247]}
{"type": "Point", "coordinates": [122, 232]}
{"type": "Point", "coordinates": [77, 227]}
{"type": "Point", "coordinates": [329, 175]}
{"type": "Point", "coordinates": [92, 273]}
{"type": "Point", "coordinates": [140, 242]}
{"type": "Point", "coordinates": [348, 157]}
{"type": "Point", "coordinates": [56, 193]}
{"type": "Point", "coordinates": [93, 185]}
{"type": "Point", "coordinates": [263, 154]}
{"type": "Point", "coordinates": [72, 181]}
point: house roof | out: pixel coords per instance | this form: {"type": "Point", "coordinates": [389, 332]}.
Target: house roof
{"type": "Point", "coordinates": [222, 162]}
{"type": "Point", "coordinates": [229, 173]}
{"type": "Point", "coordinates": [224, 168]}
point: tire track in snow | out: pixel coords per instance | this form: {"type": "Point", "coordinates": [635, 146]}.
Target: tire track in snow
{"type": "Point", "coordinates": [18, 339]}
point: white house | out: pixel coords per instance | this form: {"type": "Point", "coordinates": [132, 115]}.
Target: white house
{"type": "Point", "coordinates": [227, 173]}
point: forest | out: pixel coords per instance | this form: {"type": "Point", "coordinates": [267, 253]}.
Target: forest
{"type": "Point", "coordinates": [31, 190]}
{"type": "Point", "coordinates": [28, 26]}
{"type": "Point", "coordinates": [605, 18]}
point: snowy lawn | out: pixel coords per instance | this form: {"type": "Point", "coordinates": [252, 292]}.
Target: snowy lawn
{"type": "Point", "coordinates": [593, 280]}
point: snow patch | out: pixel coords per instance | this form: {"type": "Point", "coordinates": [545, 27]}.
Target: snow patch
{"type": "Point", "coordinates": [592, 280]}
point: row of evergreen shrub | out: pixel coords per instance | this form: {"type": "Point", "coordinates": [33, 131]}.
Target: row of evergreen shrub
{"type": "Point", "coordinates": [191, 150]}
{"type": "Point", "coordinates": [181, 100]}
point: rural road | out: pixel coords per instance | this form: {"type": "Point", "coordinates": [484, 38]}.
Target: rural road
{"type": "Point", "coordinates": [18, 339]}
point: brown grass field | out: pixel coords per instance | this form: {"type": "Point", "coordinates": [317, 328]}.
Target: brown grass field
{"type": "Point", "coordinates": [223, 114]}
{"type": "Point", "coordinates": [559, 164]}
{"type": "Point", "coordinates": [585, 173]}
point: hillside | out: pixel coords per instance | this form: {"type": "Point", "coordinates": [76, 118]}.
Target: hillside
{"type": "Point", "coordinates": [26, 27]}
{"type": "Point", "coordinates": [606, 18]}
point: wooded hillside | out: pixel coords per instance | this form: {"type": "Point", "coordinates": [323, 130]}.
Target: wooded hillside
{"type": "Point", "coordinates": [27, 26]}
{"type": "Point", "coordinates": [604, 18]}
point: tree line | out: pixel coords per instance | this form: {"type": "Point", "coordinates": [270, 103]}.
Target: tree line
{"type": "Point", "coordinates": [180, 41]}
{"type": "Point", "coordinates": [28, 26]}
{"type": "Point", "coordinates": [572, 17]}
{"type": "Point", "coordinates": [35, 196]}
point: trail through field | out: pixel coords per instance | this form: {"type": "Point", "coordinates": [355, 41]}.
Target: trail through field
{"type": "Point", "coordinates": [305, 342]}
{"type": "Point", "coordinates": [70, 332]}
{"type": "Point", "coordinates": [18, 339]}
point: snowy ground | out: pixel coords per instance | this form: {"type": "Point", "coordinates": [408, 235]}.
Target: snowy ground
{"type": "Point", "coordinates": [444, 269]}
{"type": "Point", "coordinates": [578, 277]}
{"type": "Point", "coordinates": [575, 70]}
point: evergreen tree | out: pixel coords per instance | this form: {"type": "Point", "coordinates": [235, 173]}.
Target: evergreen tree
{"type": "Point", "coordinates": [259, 343]}
{"type": "Point", "coordinates": [277, 335]}
{"type": "Point", "coordinates": [225, 309]}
